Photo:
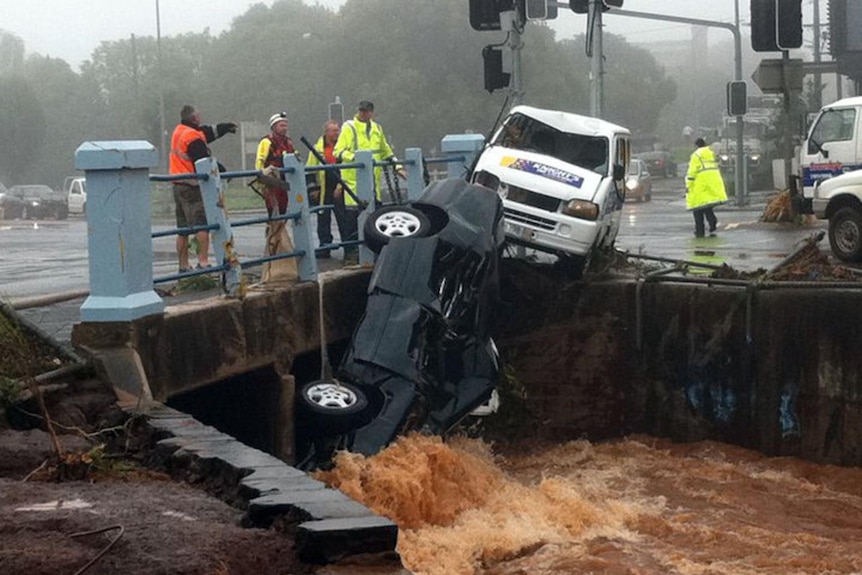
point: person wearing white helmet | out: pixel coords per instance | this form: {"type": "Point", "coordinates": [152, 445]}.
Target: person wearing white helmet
{"type": "Point", "coordinates": [270, 154]}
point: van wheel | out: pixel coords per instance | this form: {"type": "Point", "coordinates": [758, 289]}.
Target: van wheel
{"type": "Point", "coordinates": [845, 234]}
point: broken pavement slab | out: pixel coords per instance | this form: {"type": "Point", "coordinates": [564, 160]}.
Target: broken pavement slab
{"type": "Point", "coordinates": [329, 525]}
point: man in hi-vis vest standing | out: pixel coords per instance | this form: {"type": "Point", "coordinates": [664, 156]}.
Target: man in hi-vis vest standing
{"type": "Point", "coordinates": [188, 145]}
{"type": "Point", "coordinates": [360, 133]}
{"type": "Point", "coordinates": [704, 188]}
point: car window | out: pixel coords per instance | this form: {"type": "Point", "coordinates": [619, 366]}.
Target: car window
{"type": "Point", "coordinates": [521, 132]}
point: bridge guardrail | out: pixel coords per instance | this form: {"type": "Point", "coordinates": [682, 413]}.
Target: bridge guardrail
{"type": "Point", "coordinates": [120, 228]}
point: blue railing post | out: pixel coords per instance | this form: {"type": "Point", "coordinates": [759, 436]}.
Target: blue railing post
{"type": "Point", "coordinates": [118, 230]}
{"type": "Point", "coordinates": [467, 145]}
{"type": "Point", "coordinates": [415, 169]}
{"type": "Point", "coordinates": [303, 234]}
{"type": "Point", "coordinates": [365, 192]}
{"type": "Point", "coordinates": [212, 193]}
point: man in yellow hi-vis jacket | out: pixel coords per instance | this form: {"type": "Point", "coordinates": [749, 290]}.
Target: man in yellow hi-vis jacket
{"type": "Point", "coordinates": [704, 187]}
{"type": "Point", "coordinates": [360, 133]}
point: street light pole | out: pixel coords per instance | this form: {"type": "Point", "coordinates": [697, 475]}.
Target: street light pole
{"type": "Point", "coordinates": [162, 145]}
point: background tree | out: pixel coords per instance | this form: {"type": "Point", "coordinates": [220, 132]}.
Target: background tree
{"type": "Point", "coordinates": [419, 61]}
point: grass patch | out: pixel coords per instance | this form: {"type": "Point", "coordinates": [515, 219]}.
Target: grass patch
{"type": "Point", "coordinates": [237, 196]}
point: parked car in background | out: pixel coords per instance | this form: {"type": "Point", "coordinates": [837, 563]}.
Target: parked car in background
{"type": "Point", "coordinates": [661, 163]}
{"type": "Point", "coordinates": [41, 202]}
{"type": "Point", "coordinates": [638, 181]}
{"type": "Point", "coordinates": [76, 194]}
{"type": "Point", "coordinates": [11, 207]}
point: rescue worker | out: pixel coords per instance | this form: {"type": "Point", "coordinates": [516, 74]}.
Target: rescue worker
{"type": "Point", "coordinates": [270, 153]}
{"type": "Point", "coordinates": [188, 145]}
{"type": "Point", "coordinates": [360, 133]}
{"type": "Point", "coordinates": [269, 159]}
{"type": "Point", "coordinates": [329, 191]}
{"type": "Point", "coordinates": [704, 187]}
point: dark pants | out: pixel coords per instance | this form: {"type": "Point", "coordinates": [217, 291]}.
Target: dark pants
{"type": "Point", "coordinates": [324, 218]}
{"type": "Point", "coordinates": [699, 214]}
{"type": "Point", "coordinates": [349, 230]}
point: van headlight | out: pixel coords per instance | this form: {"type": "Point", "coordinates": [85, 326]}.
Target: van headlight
{"type": "Point", "coordinates": [487, 179]}
{"type": "Point", "coordinates": [582, 210]}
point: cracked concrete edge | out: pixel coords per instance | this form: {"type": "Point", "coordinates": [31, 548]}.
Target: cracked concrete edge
{"type": "Point", "coordinates": [330, 525]}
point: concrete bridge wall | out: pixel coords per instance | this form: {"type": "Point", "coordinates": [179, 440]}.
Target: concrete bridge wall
{"type": "Point", "coordinates": [776, 370]}
{"type": "Point", "coordinates": [773, 370]}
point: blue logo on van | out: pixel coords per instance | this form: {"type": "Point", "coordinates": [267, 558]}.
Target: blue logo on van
{"type": "Point", "coordinates": [543, 170]}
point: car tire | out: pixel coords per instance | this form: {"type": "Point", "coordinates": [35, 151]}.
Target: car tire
{"type": "Point", "coordinates": [62, 213]}
{"type": "Point", "coordinates": [845, 234]}
{"type": "Point", "coordinates": [394, 221]}
{"type": "Point", "coordinates": [332, 407]}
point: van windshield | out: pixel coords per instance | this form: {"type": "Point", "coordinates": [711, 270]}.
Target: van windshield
{"type": "Point", "coordinates": [521, 132]}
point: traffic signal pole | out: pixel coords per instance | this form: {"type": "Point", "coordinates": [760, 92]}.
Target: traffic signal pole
{"type": "Point", "coordinates": [595, 51]}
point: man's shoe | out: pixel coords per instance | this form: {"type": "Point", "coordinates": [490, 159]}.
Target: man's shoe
{"type": "Point", "coordinates": [698, 234]}
{"type": "Point", "coordinates": [322, 255]}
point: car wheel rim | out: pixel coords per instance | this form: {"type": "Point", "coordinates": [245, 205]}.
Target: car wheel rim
{"type": "Point", "coordinates": [331, 396]}
{"type": "Point", "coordinates": [397, 224]}
{"type": "Point", "coordinates": [847, 237]}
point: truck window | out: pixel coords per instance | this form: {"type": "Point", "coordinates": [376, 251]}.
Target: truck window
{"type": "Point", "coordinates": [521, 132]}
{"type": "Point", "coordinates": [833, 126]}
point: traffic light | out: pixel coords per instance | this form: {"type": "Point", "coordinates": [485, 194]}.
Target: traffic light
{"type": "Point", "coordinates": [737, 99]}
{"type": "Point", "coordinates": [495, 78]}
{"type": "Point", "coordinates": [845, 43]}
{"type": "Point", "coordinates": [788, 24]}
{"type": "Point", "coordinates": [540, 9]}
{"type": "Point", "coordinates": [583, 6]}
{"type": "Point", "coordinates": [776, 25]}
{"type": "Point", "coordinates": [484, 15]}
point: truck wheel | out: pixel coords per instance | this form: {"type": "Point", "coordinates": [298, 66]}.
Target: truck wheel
{"type": "Point", "coordinates": [845, 234]}
{"type": "Point", "coordinates": [62, 213]}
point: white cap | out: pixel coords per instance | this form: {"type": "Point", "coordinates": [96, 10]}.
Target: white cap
{"type": "Point", "coordinates": [275, 118]}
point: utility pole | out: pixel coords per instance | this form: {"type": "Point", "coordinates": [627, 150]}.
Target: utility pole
{"type": "Point", "coordinates": [163, 158]}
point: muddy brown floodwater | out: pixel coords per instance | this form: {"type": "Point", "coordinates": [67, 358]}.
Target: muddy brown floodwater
{"type": "Point", "coordinates": [638, 506]}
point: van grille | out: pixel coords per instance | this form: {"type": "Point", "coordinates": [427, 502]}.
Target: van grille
{"type": "Point", "coordinates": [535, 221]}
{"type": "Point", "coordinates": [532, 199]}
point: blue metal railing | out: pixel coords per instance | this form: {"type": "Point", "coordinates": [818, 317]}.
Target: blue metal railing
{"type": "Point", "coordinates": [121, 260]}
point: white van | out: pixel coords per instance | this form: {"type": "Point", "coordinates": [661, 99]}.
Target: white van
{"type": "Point", "coordinates": [833, 146]}
{"type": "Point", "coordinates": [561, 177]}
{"type": "Point", "coordinates": [76, 194]}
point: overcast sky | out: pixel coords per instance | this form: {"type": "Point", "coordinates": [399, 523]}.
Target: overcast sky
{"type": "Point", "coordinates": [72, 29]}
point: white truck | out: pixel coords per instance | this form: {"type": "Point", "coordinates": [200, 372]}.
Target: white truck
{"type": "Point", "coordinates": [561, 177]}
{"type": "Point", "coordinates": [76, 194]}
{"type": "Point", "coordinates": [829, 172]}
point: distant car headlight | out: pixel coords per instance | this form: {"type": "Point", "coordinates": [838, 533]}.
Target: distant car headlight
{"type": "Point", "coordinates": [34, 203]}
{"type": "Point", "coordinates": [631, 185]}
{"type": "Point", "coordinates": [755, 157]}
{"type": "Point", "coordinates": [582, 209]}
{"type": "Point", "coordinates": [724, 158]}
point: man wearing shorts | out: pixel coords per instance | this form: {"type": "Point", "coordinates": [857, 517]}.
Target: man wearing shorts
{"type": "Point", "coordinates": [188, 145]}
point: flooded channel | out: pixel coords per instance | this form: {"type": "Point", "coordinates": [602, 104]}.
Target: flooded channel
{"type": "Point", "coordinates": [640, 505]}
